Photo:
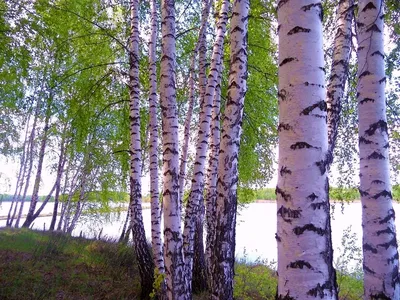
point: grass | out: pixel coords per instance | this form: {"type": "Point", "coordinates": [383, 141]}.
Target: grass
{"type": "Point", "coordinates": [36, 265]}
{"type": "Point", "coordinates": [44, 265]}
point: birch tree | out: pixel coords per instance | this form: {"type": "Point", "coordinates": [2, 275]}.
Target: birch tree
{"type": "Point", "coordinates": [381, 258]}
{"type": "Point", "coordinates": [224, 247]}
{"type": "Point", "coordinates": [173, 248]}
{"type": "Point", "coordinates": [153, 156]}
{"type": "Point", "coordinates": [145, 262]}
{"type": "Point", "coordinates": [339, 70]}
{"type": "Point", "coordinates": [303, 232]}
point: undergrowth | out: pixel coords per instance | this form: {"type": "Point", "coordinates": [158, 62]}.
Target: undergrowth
{"type": "Point", "coordinates": [43, 265]}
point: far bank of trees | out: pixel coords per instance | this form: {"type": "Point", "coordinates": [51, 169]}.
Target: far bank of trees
{"type": "Point", "coordinates": [106, 96]}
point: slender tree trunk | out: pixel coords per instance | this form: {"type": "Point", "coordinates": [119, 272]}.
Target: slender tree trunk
{"type": "Point", "coordinates": [303, 235]}
{"type": "Point", "coordinates": [381, 258]}
{"type": "Point", "coordinates": [193, 209]}
{"type": "Point", "coordinates": [35, 194]}
{"type": "Point", "coordinates": [201, 49]}
{"type": "Point", "coordinates": [21, 175]}
{"type": "Point", "coordinates": [173, 254]}
{"type": "Point", "coordinates": [31, 156]}
{"type": "Point", "coordinates": [156, 242]}
{"type": "Point", "coordinates": [339, 71]}
{"type": "Point", "coordinates": [212, 175]}
{"type": "Point", "coordinates": [224, 247]}
{"type": "Point", "coordinates": [60, 170]}
{"type": "Point", "coordinates": [145, 262]}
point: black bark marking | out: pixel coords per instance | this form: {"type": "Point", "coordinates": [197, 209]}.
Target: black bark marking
{"type": "Point", "coordinates": [386, 146]}
{"type": "Point", "coordinates": [363, 140]}
{"type": "Point", "coordinates": [298, 29]}
{"type": "Point", "coordinates": [365, 268]}
{"type": "Point", "coordinates": [391, 243]}
{"type": "Point", "coordinates": [359, 24]}
{"type": "Point", "coordinates": [393, 259]}
{"type": "Point", "coordinates": [388, 230]}
{"type": "Point", "coordinates": [378, 181]}
{"type": "Point", "coordinates": [363, 193]}
{"type": "Point", "coordinates": [368, 247]}
{"type": "Point", "coordinates": [286, 213]}
{"type": "Point", "coordinates": [365, 100]}
{"type": "Point", "coordinates": [285, 170]}
{"type": "Point", "coordinates": [287, 60]}
{"type": "Point", "coordinates": [321, 105]}
{"type": "Point", "coordinates": [312, 197]}
{"type": "Point", "coordinates": [375, 155]}
{"type": "Point", "coordinates": [299, 264]}
{"type": "Point", "coordinates": [284, 126]}
{"type": "Point", "coordinates": [370, 5]}
{"type": "Point", "coordinates": [377, 52]}
{"type": "Point", "coordinates": [313, 84]}
{"type": "Point", "coordinates": [282, 93]}
{"type": "Point", "coordinates": [282, 2]}
{"type": "Point", "coordinates": [381, 124]}
{"type": "Point", "coordinates": [395, 274]}
{"type": "Point", "coordinates": [302, 145]}
{"type": "Point", "coordinates": [299, 230]}
{"type": "Point", "coordinates": [374, 28]}
{"type": "Point", "coordinates": [285, 196]}
{"type": "Point", "coordinates": [365, 73]}
{"type": "Point", "coordinates": [278, 238]}
{"type": "Point", "coordinates": [391, 215]}
{"type": "Point", "coordinates": [384, 193]}
{"type": "Point", "coordinates": [322, 164]}
{"type": "Point", "coordinates": [382, 80]}
{"type": "Point", "coordinates": [319, 5]}
{"type": "Point", "coordinates": [318, 205]}
{"type": "Point", "coordinates": [319, 290]}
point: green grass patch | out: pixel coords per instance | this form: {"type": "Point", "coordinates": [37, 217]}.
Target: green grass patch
{"type": "Point", "coordinates": [37, 265]}
{"type": "Point", "coordinates": [43, 265]}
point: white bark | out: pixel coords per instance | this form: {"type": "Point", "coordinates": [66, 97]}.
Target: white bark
{"type": "Point", "coordinates": [303, 232]}
{"type": "Point", "coordinates": [339, 70]}
{"type": "Point", "coordinates": [200, 48]}
{"type": "Point", "coordinates": [212, 175]}
{"type": "Point", "coordinates": [145, 262]}
{"type": "Point", "coordinates": [197, 187]}
{"type": "Point", "coordinates": [224, 247]}
{"type": "Point", "coordinates": [154, 192]}
{"type": "Point", "coordinates": [381, 258]}
{"type": "Point", "coordinates": [173, 254]}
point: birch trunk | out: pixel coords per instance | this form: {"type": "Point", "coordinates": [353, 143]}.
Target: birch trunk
{"type": "Point", "coordinates": [20, 180]}
{"type": "Point", "coordinates": [381, 258]}
{"type": "Point", "coordinates": [303, 235]}
{"type": "Point", "coordinates": [173, 254]}
{"type": "Point", "coordinates": [145, 262]}
{"type": "Point", "coordinates": [339, 71]}
{"type": "Point", "coordinates": [197, 187]}
{"type": "Point", "coordinates": [200, 49]}
{"type": "Point", "coordinates": [60, 171]}
{"type": "Point", "coordinates": [31, 152]}
{"type": "Point", "coordinates": [35, 193]}
{"type": "Point", "coordinates": [224, 247]}
{"type": "Point", "coordinates": [212, 175]}
{"type": "Point", "coordinates": [156, 241]}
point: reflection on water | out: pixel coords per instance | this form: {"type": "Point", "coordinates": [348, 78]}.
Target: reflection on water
{"type": "Point", "coordinates": [255, 231]}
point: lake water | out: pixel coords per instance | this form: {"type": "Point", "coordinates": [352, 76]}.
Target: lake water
{"type": "Point", "coordinates": [255, 231]}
